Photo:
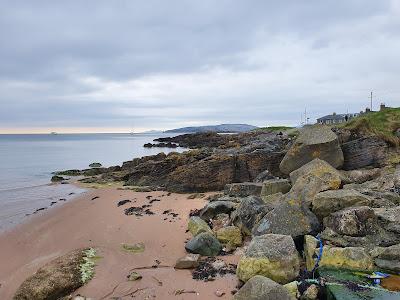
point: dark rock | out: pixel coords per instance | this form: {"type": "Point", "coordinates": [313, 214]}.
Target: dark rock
{"type": "Point", "coordinates": [363, 152]}
{"type": "Point", "coordinates": [264, 175]}
{"type": "Point", "coordinates": [57, 178]}
{"type": "Point", "coordinates": [204, 244]}
{"type": "Point", "coordinates": [95, 165]}
{"type": "Point", "coordinates": [214, 208]}
{"type": "Point", "coordinates": [123, 202]}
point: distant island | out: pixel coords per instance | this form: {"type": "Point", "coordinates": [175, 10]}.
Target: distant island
{"type": "Point", "coordinates": [222, 128]}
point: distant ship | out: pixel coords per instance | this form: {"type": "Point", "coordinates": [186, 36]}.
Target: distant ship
{"type": "Point", "coordinates": [53, 133]}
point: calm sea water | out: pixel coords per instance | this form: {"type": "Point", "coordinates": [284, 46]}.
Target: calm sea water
{"type": "Point", "coordinates": [27, 161]}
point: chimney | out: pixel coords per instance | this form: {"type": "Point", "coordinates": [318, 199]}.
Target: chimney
{"type": "Point", "coordinates": [383, 107]}
{"type": "Point", "coordinates": [367, 110]}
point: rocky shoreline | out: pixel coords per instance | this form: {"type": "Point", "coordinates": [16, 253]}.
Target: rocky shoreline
{"type": "Point", "coordinates": [313, 214]}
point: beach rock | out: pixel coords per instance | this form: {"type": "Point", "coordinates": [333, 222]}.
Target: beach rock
{"type": "Point", "coordinates": [73, 172]}
{"type": "Point", "coordinates": [250, 211]}
{"type": "Point", "coordinates": [271, 255]}
{"type": "Point", "coordinates": [389, 258]}
{"type": "Point", "coordinates": [288, 217]}
{"type": "Point", "coordinates": [353, 221]}
{"type": "Point", "coordinates": [189, 261]}
{"type": "Point", "coordinates": [363, 152]}
{"type": "Point", "coordinates": [355, 258]}
{"type": "Point", "coordinates": [262, 288]}
{"type": "Point", "coordinates": [56, 279]}
{"type": "Point", "coordinates": [204, 244]}
{"type": "Point", "coordinates": [313, 142]}
{"type": "Point", "coordinates": [243, 189]}
{"type": "Point", "coordinates": [328, 202]}
{"type": "Point", "coordinates": [230, 236]}
{"type": "Point", "coordinates": [197, 225]}
{"type": "Point", "coordinates": [217, 207]}
{"type": "Point", "coordinates": [274, 186]}
{"type": "Point", "coordinates": [263, 176]}
{"type": "Point", "coordinates": [57, 178]}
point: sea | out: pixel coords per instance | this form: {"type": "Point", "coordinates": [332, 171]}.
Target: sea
{"type": "Point", "coordinates": [28, 160]}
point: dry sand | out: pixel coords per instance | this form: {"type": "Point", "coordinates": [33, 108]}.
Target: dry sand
{"type": "Point", "coordinates": [99, 223]}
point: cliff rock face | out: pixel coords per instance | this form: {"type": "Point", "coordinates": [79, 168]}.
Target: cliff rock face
{"type": "Point", "coordinates": [313, 142]}
{"type": "Point", "coordinates": [362, 152]}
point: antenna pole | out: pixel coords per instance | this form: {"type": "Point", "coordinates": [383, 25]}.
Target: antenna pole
{"type": "Point", "coordinates": [371, 101]}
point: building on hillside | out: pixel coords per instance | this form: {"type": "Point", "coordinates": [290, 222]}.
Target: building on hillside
{"type": "Point", "coordinates": [336, 118]}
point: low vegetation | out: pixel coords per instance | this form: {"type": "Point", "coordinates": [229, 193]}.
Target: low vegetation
{"type": "Point", "coordinates": [274, 128]}
{"type": "Point", "coordinates": [384, 124]}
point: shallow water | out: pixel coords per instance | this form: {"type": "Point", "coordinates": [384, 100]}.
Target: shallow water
{"type": "Point", "coordinates": [27, 161]}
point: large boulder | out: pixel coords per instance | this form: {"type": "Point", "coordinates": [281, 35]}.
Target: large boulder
{"type": "Point", "coordinates": [356, 258]}
{"type": "Point", "coordinates": [204, 244]}
{"type": "Point", "coordinates": [229, 236]}
{"type": "Point", "coordinates": [358, 227]}
{"type": "Point", "coordinates": [360, 176]}
{"type": "Point", "coordinates": [328, 202]}
{"type": "Point", "coordinates": [197, 225]}
{"type": "Point", "coordinates": [313, 142]}
{"type": "Point", "coordinates": [243, 189]}
{"type": "Point", "coordinates": [262, 288]}
{"type": "Point", "coordinates": [389, 258]}
{"type": "Point", "coordinates": [271, 255]}
{"type": "Point", "coordinates": [58, 278]}
{"type": "Point", "coordinates": [312, 178]}
{"type": "Point", "coordinates": [250, 211]}
{"type": "Point", "coordinates": [215, 208]}
{"type": "Point", "coordinates": [288, 217]}
{"type": "Point", "coordinates": [363, 152]}
{"type": "Point", "coordinates": [389, 218]}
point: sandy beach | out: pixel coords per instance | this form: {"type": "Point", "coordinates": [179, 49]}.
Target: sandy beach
{"type": "Point", "coordinates": [101, 224]}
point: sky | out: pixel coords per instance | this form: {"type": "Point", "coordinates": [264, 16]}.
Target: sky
{"type": "Point", "coordinates": [121, 66]}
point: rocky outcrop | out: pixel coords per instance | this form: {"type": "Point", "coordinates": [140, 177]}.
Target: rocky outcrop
{"type": "Point", "coordinates": [262, 288]}
{"type": "Point", "coordinates": [363, 152]}
{"type": "Point", "coordinates": [313, 142]}
{"type": "Point", "coordinates": [388, 258]}
{"type": "Point", "coordinates": [271, 255]}
{"type": "Point", "coordinates": [57, 279]}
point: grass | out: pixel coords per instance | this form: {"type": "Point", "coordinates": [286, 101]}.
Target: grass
{"type": "Point", "coordinates": [383, 124]}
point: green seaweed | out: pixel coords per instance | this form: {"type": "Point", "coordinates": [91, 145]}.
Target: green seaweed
{"type": "Point", "coordinates": [135, 248]}
{"type": "Point", "coordinates": [87, 267]}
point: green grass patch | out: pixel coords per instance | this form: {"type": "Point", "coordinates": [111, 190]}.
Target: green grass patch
{"type": "Point", "coordinates": [383, 124]}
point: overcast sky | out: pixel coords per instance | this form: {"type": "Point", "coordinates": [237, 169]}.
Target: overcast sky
{"type": "Point", "coordinates": [138, 65]}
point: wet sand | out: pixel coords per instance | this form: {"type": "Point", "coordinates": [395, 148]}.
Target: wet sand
{"type": "Point", "coordinates": [100, 224]}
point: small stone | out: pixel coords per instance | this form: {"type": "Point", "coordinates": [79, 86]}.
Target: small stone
{"type": "Point", "coordinates": [135, 248]}
{"type": "Point", "coordinates": [218, 264]}
{"type": "Point", "coordinates": [133, 276]}
{"type": "Point", "coordinates": [188, 261]}
{"type": "Point", "coordinates": [219, 293]}
{"type": "Point", "coordinates": [204, 244]}
{"type": "Point", "coordinates": [311, 293]}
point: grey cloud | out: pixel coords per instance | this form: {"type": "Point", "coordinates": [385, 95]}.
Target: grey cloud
{"type": "Point", "coordinates": [324, 55]}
